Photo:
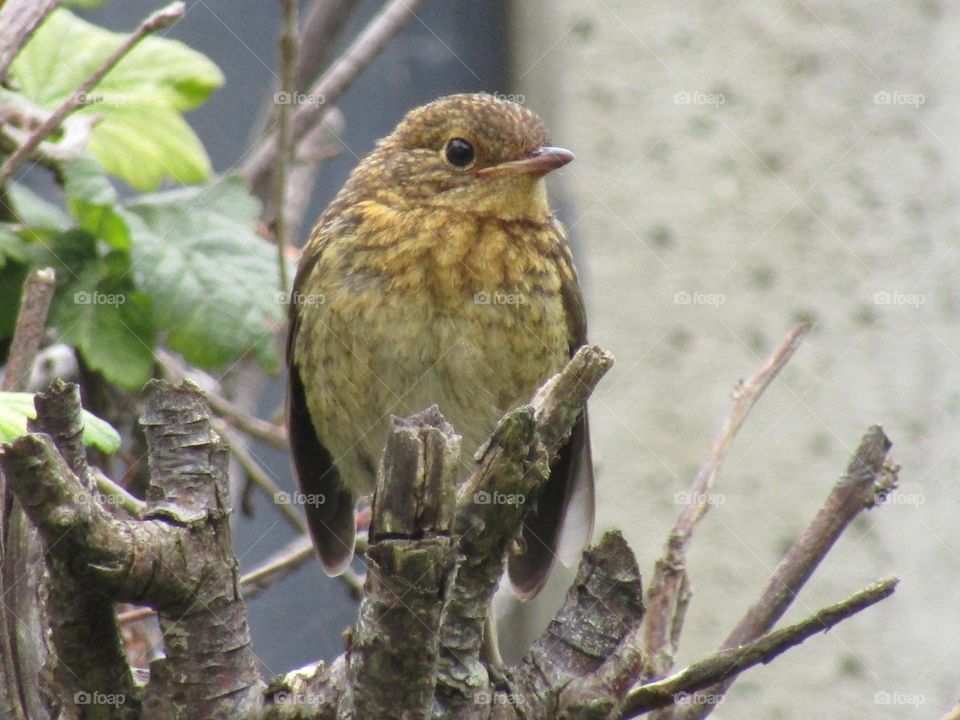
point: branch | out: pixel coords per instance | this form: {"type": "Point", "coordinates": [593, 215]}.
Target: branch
{"type": "Point", "coordinates": [729, 663]}
{"type": "Point", "coordinates": [588, 657]}
{"type": "Point", "coordinates": [288, 59]}
{"type": "Point", "coordinates": [668, 594]}
{"type": "Point", "coordinates": [328, 90]}
{"type": "Point", "coordinates": [89, 648]}
{"type": "Point", "coordinates": [514, 463]}
{"type": "Point", "coordinates": [156, 21]}
{"type": "Point", "coordinates": [24, 650]}
{"type": "Point", "coordinates": [393, 653]}
{"type": "Point", "coordinates": [259, 476]}
{"type": "Point", "coordinates": [297, 552]}
{"type": "Point", "coordinates": [318, 145]}
{"type": "Point", "coordinates": [325, 21]}
{"type": "Point", "coordinates": [18, 20]}
{"type": "Point", "coordinates": [31, 321]}
{"type": "Point", "coordinates": [868, 476]}
{"type": "Point", "coordinates": [178, 559]}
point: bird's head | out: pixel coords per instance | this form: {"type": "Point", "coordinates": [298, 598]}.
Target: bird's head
{"type": "Point", "coordinates": [473, 153]}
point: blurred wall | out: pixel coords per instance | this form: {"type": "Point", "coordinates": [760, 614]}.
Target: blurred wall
{"type": "Point", "coordinates": [741, 167]}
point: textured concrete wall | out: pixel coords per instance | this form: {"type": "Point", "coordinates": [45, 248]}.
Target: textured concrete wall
{"type": "Point", "coordinates": [741, 166]}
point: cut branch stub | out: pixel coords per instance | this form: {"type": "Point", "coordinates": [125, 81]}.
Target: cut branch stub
{"type": "Point", "coordinates": [417, 480]}
{"type": "Point", "coordinates": [81, 548]}
{"type": "Point", "coordinates": [185, 476]}
{"type": "Point", "coordinates": [60, 415]}
{"type": "Point", "coordinates": [599, 619]}
{"type": "Point", "coordinates": [408, 561]}
{"type": "Point", "coordinates": [209, 669]}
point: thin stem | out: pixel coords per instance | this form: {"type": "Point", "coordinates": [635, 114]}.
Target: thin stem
{"type": "Point", "coordinates": [731, 662]}
{"type": "Point", "coordinates": [157, 21]}
{"type": "Point", "coordinates": [328, 90]}
{"type": "Point", "coordinates": [31, 321]}
{"type": "Point", "coordinates": [666, 599]}
{"type": "Point", "coordinates": [288, 64]}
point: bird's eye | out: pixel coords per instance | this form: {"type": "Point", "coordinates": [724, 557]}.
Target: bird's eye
{"type": "Point", "coordinates": [459, 152]}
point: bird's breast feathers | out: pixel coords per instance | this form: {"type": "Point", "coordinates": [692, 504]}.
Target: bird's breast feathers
{"type": "Point", "coordinates": [457, 310]}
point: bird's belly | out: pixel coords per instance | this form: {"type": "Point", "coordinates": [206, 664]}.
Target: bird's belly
{"type": "Point", "coordinates": [397, 353]}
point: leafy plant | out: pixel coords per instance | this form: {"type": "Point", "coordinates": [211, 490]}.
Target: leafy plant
{"type": "Point", "coordinates": [184, 264]}
{"type": "Point", "coordinates": [16, 408]}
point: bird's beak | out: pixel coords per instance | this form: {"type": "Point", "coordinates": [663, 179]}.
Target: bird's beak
{"type": "Point", "coordinates": [539, 162]}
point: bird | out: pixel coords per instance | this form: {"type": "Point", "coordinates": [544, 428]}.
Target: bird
{"type": "Point", "coordinates": [438, 275]}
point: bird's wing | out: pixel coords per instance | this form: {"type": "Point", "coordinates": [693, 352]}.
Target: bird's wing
{"type": "Point", "coordinates": [566, 500]}
{"type": "Point", "coordinates": [331, 521]}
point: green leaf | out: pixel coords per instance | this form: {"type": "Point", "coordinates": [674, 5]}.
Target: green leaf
{"type": "Point", "coordinates": [17, 408]}
{"type": "Point", "coordinates": [93, 200]}
{"type": "Point", "coordinates": [12, 246]}
{"type": "Point", "coordinates": [211, 277]}
{"type": "Point", "coordinates": [31, 209]}
{"type": "Point", "coordinates": [144, 145]}
{"type": "Point", "coordinates": [141, 136]}
{"type": "Point", "coordinates": [98, 311]}
{"type": "Point", "coordinates": [111, 327]}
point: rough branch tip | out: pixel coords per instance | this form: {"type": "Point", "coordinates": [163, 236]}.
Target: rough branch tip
{"type": "Point", "coordinates": [165, 16]}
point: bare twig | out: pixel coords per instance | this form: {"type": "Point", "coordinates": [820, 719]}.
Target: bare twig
{"type": "Point", "coordinates": [118, 495]}
{"type": "Point", "coordinates": [34, 306]}
{"type": "Point", "coordinates": [258, 475]}
{"type": "Point", "coordinates": [18, 20]}
{"type": "Point", "coordinates": [322, 25]}
{"type": "Point", "coordinates": [156, 21]}
{"type": "Point", "coordinates": [288, 59]}
{"type": "Point", "coordinates": [731, 662]}
{"type": "Point", "coordinates": [868, 475]}
{"type": "Point", "coordinates": [668, 593]}
{"type": "Point", "coordinates": [328, 89]}
{"type": "Point", "coordinates": [319, 145]}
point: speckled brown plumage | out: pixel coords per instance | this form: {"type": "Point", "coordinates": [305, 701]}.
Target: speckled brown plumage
{"type": "Point", "coordinates": [429, 283]}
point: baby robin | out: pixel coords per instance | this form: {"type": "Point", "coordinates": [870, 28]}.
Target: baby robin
{"type": "Point", "coordinates": [438, 275]}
